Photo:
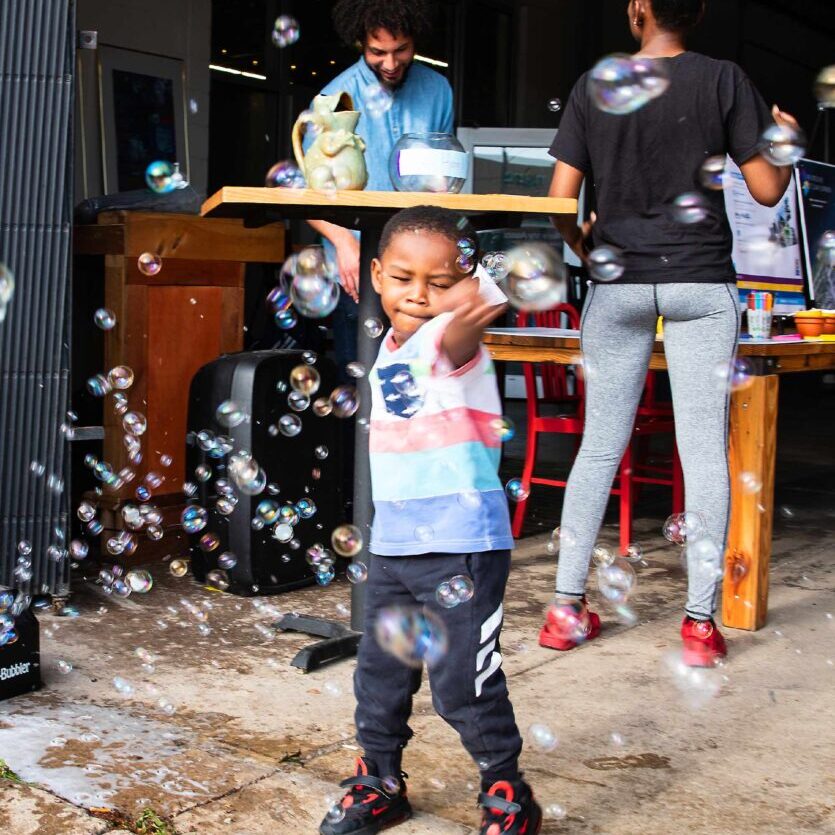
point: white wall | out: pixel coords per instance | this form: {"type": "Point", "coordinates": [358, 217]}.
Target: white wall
{"type": "Point", "coordinates": [178, 29]}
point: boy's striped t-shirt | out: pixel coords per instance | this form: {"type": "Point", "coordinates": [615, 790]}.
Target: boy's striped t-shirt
{"type": "Point", "coordinates": [434, 448]}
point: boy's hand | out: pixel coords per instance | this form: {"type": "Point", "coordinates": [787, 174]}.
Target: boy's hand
{"type": "Point", "coordinates": [784, 119]}
{"type": "Point", "coordinates": [471, 316]}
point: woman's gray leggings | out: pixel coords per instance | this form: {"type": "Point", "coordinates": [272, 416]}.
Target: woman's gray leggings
{"type": "Point", "coordinates": [701, 328]}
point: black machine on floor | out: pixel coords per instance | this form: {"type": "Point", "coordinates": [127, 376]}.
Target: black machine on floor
{"type": "Point", "coordinates": [20, 660]}
{"type": "Point", "coordinates": [258, 382]}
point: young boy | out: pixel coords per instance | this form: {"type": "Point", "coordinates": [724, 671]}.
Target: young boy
{"type": "Point", "coordinates": [440, 512]}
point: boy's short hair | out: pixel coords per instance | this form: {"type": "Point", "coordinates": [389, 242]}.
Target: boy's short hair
{"type": "Point", "coordinates": [454, 227]}
{"type": "Point", "coordinates": [678, 15]}
{"type": "Point", "coordinates": [355, 20]}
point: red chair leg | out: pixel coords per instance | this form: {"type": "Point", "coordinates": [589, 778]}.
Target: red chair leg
{"type": "Point", "coordinates": [626, 499]}
{"type": "Point", "coordinates": [527, 475]}
{"type": "Point", "coordinates": [678, 483]}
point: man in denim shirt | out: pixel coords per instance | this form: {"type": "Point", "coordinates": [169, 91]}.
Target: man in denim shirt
{"type": "Point", "coordinates": [395, 96]}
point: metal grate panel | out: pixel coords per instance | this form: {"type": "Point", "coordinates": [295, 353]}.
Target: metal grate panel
{"type": "Point", "coordinates": [36, 97]}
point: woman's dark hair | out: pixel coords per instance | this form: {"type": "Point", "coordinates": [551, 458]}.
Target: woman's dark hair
{"type": "Point", "coordinates": [355, 19]}
{"type": "Point", "coordinates": [678, 15]}
{"type": "Point", "coordinates": [452, 226]}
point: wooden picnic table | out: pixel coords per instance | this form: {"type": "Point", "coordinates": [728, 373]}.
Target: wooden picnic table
{"type": "Point", "coordinates": [753, 445]}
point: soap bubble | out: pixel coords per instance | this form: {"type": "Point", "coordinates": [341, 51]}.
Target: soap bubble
{"type": "Point", "coordinates": [139, 580]}
{"type": "Point", "coordinates": [227, 561]}
{"type": "Point", "coordinates": [690, 208]}
{"type": "Point", "coordinates": [554, 812]}
{"type": "Point", "coordinates": [681, 528]}
{"type": "Point", "coordinates": [542, 737]}
{"type": "Point", "coordinates": [322, 407]}
{"type": "Point", "coordinates": [634, 553]}
{"type": "Point", "coordinates": [704, 559]}
{"type": "Point", "coordinates": [230, 414]}
{"type": "Point", "coordinates": [602, 556]}
{"type": "Point", "coordinates": [218, 579]}
{"type": "Point", "coordinates": [411, 635]}
{"type": "Point", "coordinates": [536, 277]}
{"type": "Point", "coordinates": [357, 572]}
{"type": "Point", "coordinates": [568, 619]}
{"type": "Point", "coordinates": [246, 473]}
{"type": "Point", "coordinates": [179, 568]}
{"type": "Point", "coordinates": [6, 289]}
{"type": "Point", "coordinates": [321, 452]}
{"type": "Point", "coordinates": [355, 370]}
{"type": "Point", "coordinates": [286, 319]}
{"type": "Point", "coordinates": [289, 425]}
{"type": "Point", "coordinates": [503, 429]}
{"type": "Point", "coordinates": [712, 173]}
{"type": "Point", "coordinates": [209, 541]}
{"type": "Point", "coordinates": [297, 401]}
{"type": "Point", "coordinates": [64, 667]}
{"type": "Point", "coordinates": [783, 145]}
{"type": "Point", "coordinates": [120, 377]}
{"type": "Point", "coordinates": [373, 327]}
{"type": "Point", "coordinates": [463, 588]}
{"type": "Point", "coordinates": [616, 581]}
{"type": "Point", "coordinates": [554, 105]}
{"type": "Point", "coordinates": [516, 490]}
{"type": "Point", "coordinates": [105, 318]}
{"type": "Point", "coordinates": [697, 685]}
{"type": "Point", "coordinates": [123, 686]}
{"type": "Point", "coordinates": [620, 84]}
{"type": "Point", "coordinates": [606, 263]}
{"type": "Point", "coordinates": [825, 86]}
{"type": "Point", "coordinates": [79, 549]}
{"type": "Point", "coordinates": [306, 508]}
{"type": "Point", "coordinates": [203, 472]}
{"type": "Point", "coordinates": [495, 265]}
{"type": "Point", "coordinates": [445, 596]}
{"type": "Point", "coordinates": [750, 483]}
{"type": "Point", "coordinates": [149, 263]}
{"type": "Point", "coordinates": [285, 31]}
{"type": "Point", "coordinates": [160, 178]}
{"type": "Point", "coordinates": [344, 401]}
{"type": "Point", "coordinates": [424, 533]}
{"type": "Point", "coordinates": [313, 282]}
{"type": "Point", "coordinates": [736, 375]}
{"type": "Point", "coordinates": [305, 379]}
{"type": "Point", "coordinates": [347, 540]}
{"type": "Point", "coordinates": [98, 385]}
{"type": "Point", "coordinates": [86, 511]}
{"type": "Point", "coordinates": [377, 100]}
{"type": "Point", "coordinates": [285, 174]}
{"type": "Point", "coordinates": [194, 518]}
{"type": "Point", "coordinates": [134, 423]}
{"type": "Point", "coordinates": [324, 574]}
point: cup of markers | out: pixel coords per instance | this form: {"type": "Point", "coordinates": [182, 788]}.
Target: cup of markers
{"type": "Point", "coordinates": [760, 307]}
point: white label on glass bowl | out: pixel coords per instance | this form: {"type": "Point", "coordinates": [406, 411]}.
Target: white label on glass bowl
{"type": "Point", "coordinates": [433, 162]}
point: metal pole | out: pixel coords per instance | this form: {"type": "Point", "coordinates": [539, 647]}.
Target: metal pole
{"type": "Point", "coordinates": [369, 306]}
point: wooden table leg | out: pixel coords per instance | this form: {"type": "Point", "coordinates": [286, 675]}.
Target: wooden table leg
{"type": "Point", "coordinates": [753, 445]}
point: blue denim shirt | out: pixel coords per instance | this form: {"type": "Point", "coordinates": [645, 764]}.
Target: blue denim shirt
{"type": "Point", "coordinates": [422, 104]}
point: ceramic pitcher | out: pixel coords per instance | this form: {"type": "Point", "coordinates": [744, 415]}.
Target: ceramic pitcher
{"type": "Point", "coordinates": [336, 158]}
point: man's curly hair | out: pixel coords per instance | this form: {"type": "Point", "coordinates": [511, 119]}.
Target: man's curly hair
{"type": "Point", "coordinates": [355, 19]}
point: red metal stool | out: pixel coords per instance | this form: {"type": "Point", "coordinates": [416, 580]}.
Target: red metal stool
{"type": "Point", "coordinates": [653, 418]}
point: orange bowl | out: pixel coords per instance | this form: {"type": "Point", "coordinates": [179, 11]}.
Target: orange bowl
{"type": "Point", "coordinates": [829, 323]}
{"type": "Point", "coordinates": [808, 325]}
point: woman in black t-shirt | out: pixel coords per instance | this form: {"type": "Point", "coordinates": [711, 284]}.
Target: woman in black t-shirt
{"type": "Point", "coordinates": [676, 260]}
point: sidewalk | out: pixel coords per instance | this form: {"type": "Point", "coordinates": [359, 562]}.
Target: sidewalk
{"type": "Point", "coordinates": [220, 735]}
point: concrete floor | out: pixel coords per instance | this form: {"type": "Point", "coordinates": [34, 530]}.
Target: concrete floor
{"type": "Point", "coordinates": [221, 735]}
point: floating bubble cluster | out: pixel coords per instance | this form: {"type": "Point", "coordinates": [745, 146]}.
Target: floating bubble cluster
{"type": "Point", "coordinates": [681, 528]}
{"type": "Point", "coordinates": [690, 208]}
{"type": "Point", "coordinates": [621, 84]}
{"type": "Point", "coordinates": [313, 282]}
{"type": "Point", "coordinates": [450, 593]}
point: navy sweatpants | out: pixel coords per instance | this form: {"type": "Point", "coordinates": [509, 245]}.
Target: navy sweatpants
{"type": "Point", "coordinates": [468, 686]}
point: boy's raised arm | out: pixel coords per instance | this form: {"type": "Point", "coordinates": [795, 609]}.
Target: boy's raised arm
{"type": "Point", "coordinates": [472, 315]}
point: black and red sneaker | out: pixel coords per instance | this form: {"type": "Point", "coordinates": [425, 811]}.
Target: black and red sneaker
{"type": "Point", "coordinates": [370, 805]}
{"type": "Point", "coordinates": [510, 809]}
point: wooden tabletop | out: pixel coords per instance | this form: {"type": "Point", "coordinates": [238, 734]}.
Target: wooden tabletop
{"type": "Point", "coordinates": [559, 345]}
{"type": "Point", "coordinates": [231, 200]}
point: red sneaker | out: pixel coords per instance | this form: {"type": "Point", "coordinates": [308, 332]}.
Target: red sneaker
{"type": "Point", "coordinates": [568, 623]}
{"type": "Point", "coordinates": [704, 645]}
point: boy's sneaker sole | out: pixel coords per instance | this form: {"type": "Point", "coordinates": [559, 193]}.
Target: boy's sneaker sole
{"type": "Point", "coordinates": [386, 820]}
